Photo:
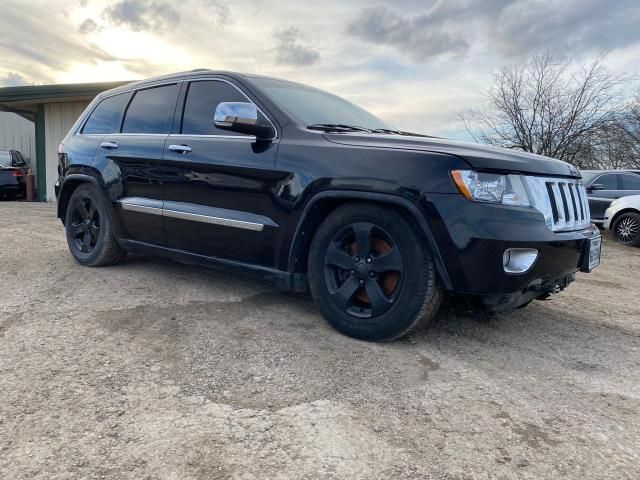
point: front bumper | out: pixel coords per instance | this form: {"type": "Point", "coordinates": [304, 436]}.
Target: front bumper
{"type": "Point", "coordinates": [472, 238]}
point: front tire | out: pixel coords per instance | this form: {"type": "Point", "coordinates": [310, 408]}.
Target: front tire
{"type": "Point", "coordinates": [372, 274]}
{"type": "Point", "coordinates": [89, 230]}
{"type": "Point", "coordinates": [626, 229]}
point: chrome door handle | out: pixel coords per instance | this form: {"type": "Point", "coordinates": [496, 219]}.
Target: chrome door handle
{"type": "Point", "coordinates": [180, 148]}
{"type": "Point", "coordinates": [109, 145]}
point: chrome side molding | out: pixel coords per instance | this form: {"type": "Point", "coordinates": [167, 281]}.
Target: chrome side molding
{"type": "Point", "coordinates": [198, 213]}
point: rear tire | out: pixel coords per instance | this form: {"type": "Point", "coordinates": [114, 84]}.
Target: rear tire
{"type": "Point", "coordinates": [626, 229]}
{"type": "Point", "coordinates": [89, 230]}
{"type": "Point", "coordinates": [371, 273]}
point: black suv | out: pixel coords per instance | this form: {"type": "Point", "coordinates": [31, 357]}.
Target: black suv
{"type": "Point", "coordinates": [314, 193]}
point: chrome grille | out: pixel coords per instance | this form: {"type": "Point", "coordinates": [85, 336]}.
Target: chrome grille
{"type": "Point", "coordinates": [563, 202]}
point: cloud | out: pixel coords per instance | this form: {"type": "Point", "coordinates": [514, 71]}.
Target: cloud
{"type": "Point", "coordinates": [13, 79]}
{"type": "Point", "coordinates": [510, 28]}
{"type": "Point", "coordinates": [37, 41]}
{"type": "Point", "coordinates": [143, 15]}
{"type": "Point", "coordinates": [89, 25]}
{"type": "Point", "coordinates": [290, 50]}
{"type": "Point", "coordinates": [565, 27]}
{"type": "Point", "coordinates": [218, 11]}
{"type": "Point", "coordinates": [421, 37]}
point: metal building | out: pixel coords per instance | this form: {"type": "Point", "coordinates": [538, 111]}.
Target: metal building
{"type": "Point", "coordinates": [48, 112]}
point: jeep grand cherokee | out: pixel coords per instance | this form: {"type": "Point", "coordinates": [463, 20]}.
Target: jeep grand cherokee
{"type": "Point", "coordinates": [314, 193]}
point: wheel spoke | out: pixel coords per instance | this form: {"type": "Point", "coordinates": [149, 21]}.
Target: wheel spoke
{"type": "Point", "coordinates": [86, 242]}
{"type": "Point", "coordinates": [82, 209]}
{"type": "Point", "coordinates": [77, 229]}
{"type": "Point", "coordinates": [379, 301]}
{"type": "Point", "coordinates": [342, 297]}
{"type": "Point", "coordinates": [392, 260]}
{"type": "Point", "coordinates": [363, 238]}
{"type": "Point", "coordinates": [338, 257]}
{"type": "Point", "coordinates": [92, 210]}
{"type": "Point", "coordinates": [94, 231]}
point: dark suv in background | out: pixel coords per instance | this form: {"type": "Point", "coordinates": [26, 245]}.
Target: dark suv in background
{"type": "Point", "coordinates": [605, 186]}
{"type": "Point", "coordinates": [312, 192]}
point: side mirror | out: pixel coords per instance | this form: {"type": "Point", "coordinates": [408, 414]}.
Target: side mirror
{"type": "Point", "coordinates": [595, 186]}
{"type": "Point", "coordinates": [242, 117]}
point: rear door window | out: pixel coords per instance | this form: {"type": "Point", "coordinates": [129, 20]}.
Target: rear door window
{"type": "Point", "coordinates": [202, 100]}
{"type": "Point", "coordinates": [630, 182]}
{"type": "Point", "coordinates": [106, 117]}
{"type": "Point", "coordinates": [609, 182]}
{"type": "Point", "coordinates": [151, 110]}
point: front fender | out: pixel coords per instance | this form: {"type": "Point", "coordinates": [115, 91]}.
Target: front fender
{"type": "Point", "coordinates": [410, 207]}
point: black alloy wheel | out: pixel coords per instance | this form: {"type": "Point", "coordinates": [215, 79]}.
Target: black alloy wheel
{"type": "Point", "coordinates": [363, 270]}
{"type": "Point", "coordinates": [85, 224]}
{"type": "Point", "coordinates": [371, 272]}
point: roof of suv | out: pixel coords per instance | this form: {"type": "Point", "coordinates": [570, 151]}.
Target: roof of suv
{"type": "Point", "coordinates": [188, 73]}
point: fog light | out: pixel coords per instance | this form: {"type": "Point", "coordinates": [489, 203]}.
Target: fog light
{"type": "Point", "coordinates": [519, 260]}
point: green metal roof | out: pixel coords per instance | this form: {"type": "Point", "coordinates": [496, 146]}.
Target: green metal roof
{"type": "Point", "coordinates": [24, 100]}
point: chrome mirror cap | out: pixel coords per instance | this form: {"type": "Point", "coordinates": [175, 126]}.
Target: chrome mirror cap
{"type": "Point", "coordinates": [242, 117]}
{"type": "Point", "coordinates": [228, 113]}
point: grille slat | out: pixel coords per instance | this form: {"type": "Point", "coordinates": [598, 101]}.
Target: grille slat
{"type": "Point", "coordinates": [562, 201]}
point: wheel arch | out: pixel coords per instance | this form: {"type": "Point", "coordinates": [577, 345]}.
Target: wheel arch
{"type": "Point", "coordinates": [323, 203]}
{"type": "Point", "coordinates": [71, 183]}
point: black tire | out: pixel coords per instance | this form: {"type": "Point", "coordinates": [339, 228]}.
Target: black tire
{"type": "Point", "coordinates": [8, 196]}
{"type": "Point", "coordinates": [89, 230]}
{"type": "Point", "coordinates": [385, 292]}
{"type": "Point", "coordinates": [626, 229]}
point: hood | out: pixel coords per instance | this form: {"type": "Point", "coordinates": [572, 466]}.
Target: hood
{"type": "Point", "coordinates": [481, 157]}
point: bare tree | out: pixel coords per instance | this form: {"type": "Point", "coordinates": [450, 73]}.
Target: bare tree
{"type": "Point", "coordinates": [549, 108]}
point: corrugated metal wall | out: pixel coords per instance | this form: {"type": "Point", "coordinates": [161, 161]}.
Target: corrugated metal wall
{"type": "Point", "coordinates": [17, 133]}
{"type": "Point", "coordinates": [59, 118]}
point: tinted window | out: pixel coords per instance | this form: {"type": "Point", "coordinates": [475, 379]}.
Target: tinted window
{"type": "Point", "coordinates": [151, 110]}
{"type": "Point", "coordinates": [106, 117]}
{"type": "Point", "coordinates": [630, 182]}
{"type": "Point", "coordinates": [202, 100]}
{"type": "Point", "coordinates": [18, 160]}
{"type": "Point", "coordinates": [5, 159]}
{"type": "Point", "coordinates": [609, 182]}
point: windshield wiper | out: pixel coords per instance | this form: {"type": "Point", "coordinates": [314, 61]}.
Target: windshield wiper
{"type": "Point", "coordinates": [338, 127]}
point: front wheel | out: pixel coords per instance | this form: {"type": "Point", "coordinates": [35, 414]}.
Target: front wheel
{"type": "Point", "coordinates": [371, 273]}
{"type": "Point", "coordinates": [626, 229]}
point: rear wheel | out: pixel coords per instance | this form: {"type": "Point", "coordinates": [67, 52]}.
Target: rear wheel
{"type": "Point", "coordinates": [89, 230]}
{"type": "Point", "coordinates": [626, 229]}
{"type": "Point", "coordinates": [371, 273]}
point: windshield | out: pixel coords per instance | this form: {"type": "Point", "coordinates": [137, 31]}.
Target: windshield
{"type": "Point", "coordinates": [310, 106]}
{"type": "Point", "coordinates": [5, 159]}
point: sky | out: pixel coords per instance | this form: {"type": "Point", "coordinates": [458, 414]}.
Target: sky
{"type": "Point", "coordinates": [415, 63]}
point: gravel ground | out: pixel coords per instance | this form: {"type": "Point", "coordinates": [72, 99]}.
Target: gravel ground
{"type": "Point", "coordinates": [152, 369]}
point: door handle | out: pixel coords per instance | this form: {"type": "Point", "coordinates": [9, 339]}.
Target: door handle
{"type": "Point", "coordinates": [109, 145]}
{"type": "Point", "coordinates": [180, 148]}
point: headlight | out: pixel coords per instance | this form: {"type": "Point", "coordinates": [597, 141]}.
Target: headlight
{"type": "Point", "coordinates": [491, 187]}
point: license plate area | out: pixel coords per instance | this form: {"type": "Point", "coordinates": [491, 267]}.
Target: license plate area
{"type": "Point", "coordinates": [591, 255]}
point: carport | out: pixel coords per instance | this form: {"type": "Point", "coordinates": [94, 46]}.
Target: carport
{"type": "Point", "coordinates": [54, 109]}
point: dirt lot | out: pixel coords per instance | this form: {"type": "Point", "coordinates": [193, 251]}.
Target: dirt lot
{"type": "Point", "coordinates": [156, 370]}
